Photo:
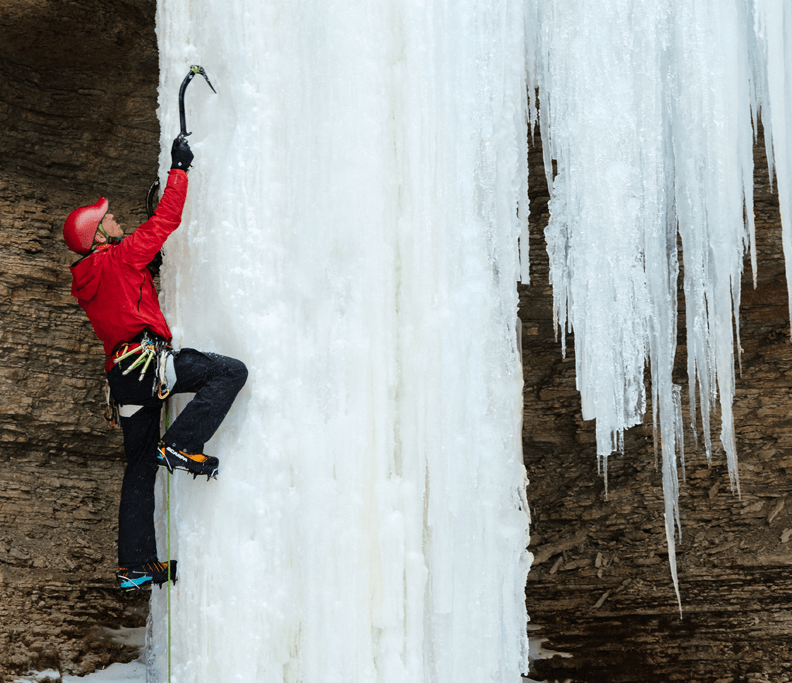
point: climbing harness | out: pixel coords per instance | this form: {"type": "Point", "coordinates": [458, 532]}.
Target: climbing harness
{"type": "Point", "coordinates": [151, 350]}
{"type": "Point", "coordinates": [156, 351]}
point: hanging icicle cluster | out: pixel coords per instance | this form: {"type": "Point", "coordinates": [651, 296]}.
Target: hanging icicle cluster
{"type": "Point", "coordinates": [649, 110]}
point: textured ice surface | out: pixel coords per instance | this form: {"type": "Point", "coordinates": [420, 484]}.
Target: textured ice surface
{"type": "Point", "coordinates": [351, 233]}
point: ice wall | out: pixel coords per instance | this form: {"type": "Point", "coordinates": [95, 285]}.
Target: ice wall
{"type": "Point", "coordinates": [647, 109]}
{"type": "Point", "coordinates": [351, 233]}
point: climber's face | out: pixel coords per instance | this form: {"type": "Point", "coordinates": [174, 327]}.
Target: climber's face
{"type": "Point", "coordinates": [110, 227]}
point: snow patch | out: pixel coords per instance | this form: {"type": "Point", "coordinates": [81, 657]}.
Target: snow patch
{"type": "Point", "coordinates": [133, 672]}
{"type": "Point", "coordinates": [39, 677]}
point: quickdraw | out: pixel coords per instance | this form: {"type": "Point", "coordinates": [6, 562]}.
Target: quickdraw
{"type": "Point", "coordinates": [161, 373]}
{"type": "Point", "coordinates": [111, 409]}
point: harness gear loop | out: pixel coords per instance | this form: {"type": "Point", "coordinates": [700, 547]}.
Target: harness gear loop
{"type": "Point", "coordinates": [157, 350]}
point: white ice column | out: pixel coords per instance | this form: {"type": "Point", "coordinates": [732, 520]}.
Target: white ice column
{"type": "Point", "coordinates": [351, 235]}
{"type": "Point", "coordinates": [603, 121]}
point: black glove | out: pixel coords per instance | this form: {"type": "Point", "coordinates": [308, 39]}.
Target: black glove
{"type": "Point", "coordinates": [181, 154]}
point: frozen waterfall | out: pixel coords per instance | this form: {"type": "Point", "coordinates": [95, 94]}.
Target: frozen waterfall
{"type": "Point", "coordinates": [649, 109]}
{"type": "Point", "coordinates": [351, 233]}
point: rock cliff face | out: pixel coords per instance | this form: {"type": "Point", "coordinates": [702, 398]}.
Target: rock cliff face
{"type": "Point", "coordinates": [77, 108]}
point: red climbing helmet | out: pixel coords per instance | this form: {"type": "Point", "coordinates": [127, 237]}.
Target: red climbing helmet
{"type": "Point", "coordinates": [81, 224]}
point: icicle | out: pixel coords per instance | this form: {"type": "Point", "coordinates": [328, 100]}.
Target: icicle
{"type": "Point", "coordinates": [671, 543]}
{"type": "Point", "coordinates": [710, 57]}
{"type": "Point", "coordinates": [646, 108]}
{"type": "Point", "coordinates": [773, 28]}
{"type": "Point", "coordinates": [679, 432]}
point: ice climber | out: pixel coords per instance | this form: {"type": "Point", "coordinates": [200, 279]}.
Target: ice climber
{"type": "Point", "coordinates": [113, 284]}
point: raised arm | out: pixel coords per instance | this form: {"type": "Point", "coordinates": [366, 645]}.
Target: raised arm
{"type": "Point", "coordinates": [142, 246]}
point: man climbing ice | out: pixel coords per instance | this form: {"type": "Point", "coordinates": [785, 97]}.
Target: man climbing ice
{"type": "Point", "coordinates": [114, 286]}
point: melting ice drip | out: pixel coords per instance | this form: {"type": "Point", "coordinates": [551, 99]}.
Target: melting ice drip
{"type": "Point", "coordinates": [351, 231]}
{"type": "Point", "coordinates": [647, 109]}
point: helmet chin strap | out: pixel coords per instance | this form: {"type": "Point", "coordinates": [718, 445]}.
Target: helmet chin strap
{"type": "Point", "coordinates": [108, 239]}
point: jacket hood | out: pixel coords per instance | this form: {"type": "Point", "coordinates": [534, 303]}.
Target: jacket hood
{"type": "Point", "coordinates": [86, 275]}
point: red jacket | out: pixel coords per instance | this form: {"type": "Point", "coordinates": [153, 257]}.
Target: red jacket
{"type": "Point", "coordinates": [113, 285]}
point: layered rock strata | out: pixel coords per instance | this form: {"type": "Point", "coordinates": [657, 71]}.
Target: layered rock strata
{"type": "Point", "coordinates": [77, 110]}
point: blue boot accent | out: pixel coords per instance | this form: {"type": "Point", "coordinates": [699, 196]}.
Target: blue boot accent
{"type": "Point", "coordinates": [135, 578]}
{"type": "Point", "coordinates": [133, 582]}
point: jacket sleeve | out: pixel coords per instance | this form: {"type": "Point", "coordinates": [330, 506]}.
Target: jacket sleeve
{"type": "Point", "coordinates": [141, 246]}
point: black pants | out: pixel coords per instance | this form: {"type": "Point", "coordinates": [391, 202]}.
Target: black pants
{"type": "Point", "coordinates": [216, 380]}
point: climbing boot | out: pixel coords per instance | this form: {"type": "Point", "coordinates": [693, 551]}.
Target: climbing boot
{"type": "Point", "coordinates": [196, 463]}
{"type": "Point", "coordinates": [135, 578]}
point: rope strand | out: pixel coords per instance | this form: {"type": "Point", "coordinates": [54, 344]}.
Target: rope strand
{"type": "Point", "coordinates": [167, 504]}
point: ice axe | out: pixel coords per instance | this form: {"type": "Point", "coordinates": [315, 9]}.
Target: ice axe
{"type": "Point", "coordinates": [195, 70]}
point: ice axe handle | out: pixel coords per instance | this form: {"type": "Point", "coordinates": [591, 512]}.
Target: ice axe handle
{"type": "Point", "coordinates": [194, 69]}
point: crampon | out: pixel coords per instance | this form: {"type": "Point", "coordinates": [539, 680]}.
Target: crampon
{"type": "Point", "coordinates": [139, 576]}
{"type": "Point", "coordinates": [195, 463]}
